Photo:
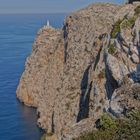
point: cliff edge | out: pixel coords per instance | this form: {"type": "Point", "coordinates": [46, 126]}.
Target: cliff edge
{"type": "Point", "coordinates": [90, 66]}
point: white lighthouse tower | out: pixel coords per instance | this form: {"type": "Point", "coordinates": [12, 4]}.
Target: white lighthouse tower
{"type": "Point", "coordinates": [48, 23]}
{"type": "Point", "coordinates": [45, 27]}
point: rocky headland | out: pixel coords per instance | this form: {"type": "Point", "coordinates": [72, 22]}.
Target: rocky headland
{"type": "Point", "coordinates": [90, 66]}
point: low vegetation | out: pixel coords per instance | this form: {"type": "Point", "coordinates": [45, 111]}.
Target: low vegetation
{"type": "Point", "coordinates": [116, 28]}
{"type": "Point", "coordinates": [128, 23]}
{"type": "Point", "coordinates": [110, 128]}
{"type": "Point", "coordinates": [137, 10]}
{"type": "Point", "coordinates": [111, 49]}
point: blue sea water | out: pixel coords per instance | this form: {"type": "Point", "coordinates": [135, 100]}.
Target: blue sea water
{"type": "Point", "coordinates": [17, 33]}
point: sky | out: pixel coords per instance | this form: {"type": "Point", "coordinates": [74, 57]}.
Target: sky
{"type": "Point", "coordinates": [46, 6]}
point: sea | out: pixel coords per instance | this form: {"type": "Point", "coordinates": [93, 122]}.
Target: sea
{"type": "Point", "coordinates": [17, 34]}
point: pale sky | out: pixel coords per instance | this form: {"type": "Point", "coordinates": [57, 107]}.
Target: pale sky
{"type": "Point", "coordinates": [46, 6]}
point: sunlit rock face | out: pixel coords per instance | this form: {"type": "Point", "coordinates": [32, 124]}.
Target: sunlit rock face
{"type": "Point", "coordinates": [75, 74]}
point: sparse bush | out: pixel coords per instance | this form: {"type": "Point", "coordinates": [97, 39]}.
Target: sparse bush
{"type": "Point", "coordinates": [112, 49]}
{"type": "Point", "coordinates": [111, 128]}
{"type": "Point", "coordinates": [137, 10]}
{"type": "Point", "coordinates": [129, 22]}
{"type": "Point", "coordinates": [107, 122]}
{"type": "Point", "coordinates": [132, 21]}
{"type": "Point", "coordinates": [116, 28]}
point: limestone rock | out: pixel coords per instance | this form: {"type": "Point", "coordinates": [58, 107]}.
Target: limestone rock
{"type": "Point", "coordinates": [125, 99]}
{"type": "Point", "coordinates": [135, 58]}
{"type": "Point", "coordinates": [116, 69]}
{"type": "Point", "coordinates": [76, 73]}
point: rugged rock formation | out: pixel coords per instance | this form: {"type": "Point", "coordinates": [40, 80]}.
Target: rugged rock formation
{"type": "Point", "coordinates": [90, 66]}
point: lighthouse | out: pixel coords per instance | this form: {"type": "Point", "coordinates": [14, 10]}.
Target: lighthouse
{"type": "Point", "coordinates": [47, 26]}
{"type": "Point", "coordinates": [48, 23]}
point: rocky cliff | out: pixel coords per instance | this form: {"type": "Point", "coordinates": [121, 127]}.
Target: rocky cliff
{"type": "Point", "coordinates": [90, 66]}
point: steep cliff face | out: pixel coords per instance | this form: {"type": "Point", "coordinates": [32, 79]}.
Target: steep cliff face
{"type": "Point", "coordinates": [76, 73]}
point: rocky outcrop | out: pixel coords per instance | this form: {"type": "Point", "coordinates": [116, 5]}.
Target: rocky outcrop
{"type": "Point", "coordinates": [125, 99]}
{"type": "Point", "coordinates": [76, 73]}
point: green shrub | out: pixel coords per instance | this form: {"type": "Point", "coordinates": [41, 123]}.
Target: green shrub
{"type": "Point", "coordinates": [116, 129]}
{"type": "Point", "coordinates": [132, 21]}
{"type": "Point", "coordinates": [112, 49]}
{"type": "Point", "coordinates": [107, 122]}
{"type": "Point", "coordinates": [137, 10]}
{"type": "Point", "coordinates": [134, 115]}
{"type": "Point", "coordinates": [129, 22]}
{"type": "Point", "coordinates": [116, 28]}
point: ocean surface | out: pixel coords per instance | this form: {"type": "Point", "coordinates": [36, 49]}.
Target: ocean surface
{"type": "Point", "coordinates": [17, 33]}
